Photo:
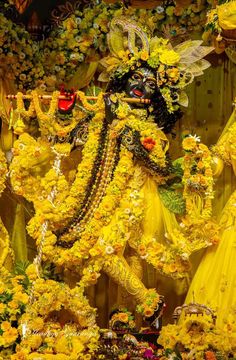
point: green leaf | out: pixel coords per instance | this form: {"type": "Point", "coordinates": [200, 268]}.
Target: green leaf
{"type": "Point", "coordinates": [20, 267]}
{"type": "Point", "coordinates": [172, 200]}
{"type": "Point", "coordinates": [178, 167]}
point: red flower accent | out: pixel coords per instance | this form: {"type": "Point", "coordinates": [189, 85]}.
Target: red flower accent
{"type": "Point", "coordinates": [149, 143]}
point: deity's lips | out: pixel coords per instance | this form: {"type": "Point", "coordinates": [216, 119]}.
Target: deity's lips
{"type": "Point", "coordinates": [137, 92]}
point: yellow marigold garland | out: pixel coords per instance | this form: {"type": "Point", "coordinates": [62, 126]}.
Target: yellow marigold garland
{"type": "Point", "coordinates": [198, 192]}
{"type": "Point", "coordinates": [59, 321]}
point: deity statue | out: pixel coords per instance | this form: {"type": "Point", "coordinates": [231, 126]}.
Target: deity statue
{"type": "Point", "coordinates": [86, 221]}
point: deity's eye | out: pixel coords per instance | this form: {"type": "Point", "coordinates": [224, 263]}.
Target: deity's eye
{"type": "Point", "coordinates": [151, 84]}
{"type": "Point", "coordinates": [136, 76]}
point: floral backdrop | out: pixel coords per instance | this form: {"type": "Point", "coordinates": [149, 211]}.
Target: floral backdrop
{"type": "Point", "coordinates": [81, 39]}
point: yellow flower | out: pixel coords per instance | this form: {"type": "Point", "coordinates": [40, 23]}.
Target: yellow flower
{"type": "Point", "coordinates": [35, 341]}
{"type": "Point", "coordinates": [37, 324]}
{"type": "Point", "coordinates": [13, 304]}
{"type": "Point", "coordinates": [169, 57]}
{"type": "Point", "coordinates": [148, 312]}
{"type": "Point", "coordinates": [170, 10]}
{"type": "Point", "coordinates": [9, 336]}
{"type": "Point", "coordinates": [144, 55]}
{"type": "Point", "coordinates": [173, 74]}
{"type": "Point", "coordinates": [189, 143]}
{"type": "Point", "coordinates": [21, 297]}
{"type": "Point", "coordinates": [123, 317]}
{"type": "Point", "coordinates": [5, 325]}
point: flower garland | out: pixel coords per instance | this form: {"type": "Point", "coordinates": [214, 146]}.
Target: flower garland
{"type": "Point", "coordinates": [197, 176]}
{"type": "Point", "coordinates": [118, 194]}
{"type": "Point", "coordinates": [46, 120]}
{"type": "Point", "coordinates": [24, 179]}
{"type": "Point", "coordinates": [14, 298]}
{"type": "Point", "coordinates": [59, 321]}
{"type": "Point", "coordinates": [196, 338]}
{"type": "Point", "coordinates": [198, 193]}
{"type": "Point", "coordinates": [3, 171]}
{"type": "Point", "coordinates": [101, 216]}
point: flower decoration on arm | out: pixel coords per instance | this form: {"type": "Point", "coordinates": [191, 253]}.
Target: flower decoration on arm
{"type": "Point", "coordinates": [198, 193]}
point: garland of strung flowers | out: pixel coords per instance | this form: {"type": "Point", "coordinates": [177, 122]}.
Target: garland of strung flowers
{"type": "Point", "coordinates": [46, 211]}
{"type": "Point", "coordinates": [198, 192]}
{"type": "Point", "coordinates": [49, 298]}
{"type": "Point", "coordinates": [45, 328]}
{"type": "Point", "coordinates": [70, 197]}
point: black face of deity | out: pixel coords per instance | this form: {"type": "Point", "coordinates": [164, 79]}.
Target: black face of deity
{"type": "Point", "coordinates": [141, 84]}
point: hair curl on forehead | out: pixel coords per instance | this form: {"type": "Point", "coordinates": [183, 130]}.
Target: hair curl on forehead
{"type": "Point", "coordinates": [163, 118]}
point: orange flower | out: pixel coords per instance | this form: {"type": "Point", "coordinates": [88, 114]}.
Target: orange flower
{"type": "Point", "coordinates": [209, 355]}
{"type": "Point", "coordinates": [142, 249]}
{"type": "Point", "coordinates": [148, 312]}
{"type": "Point", "coordinates": [123, 317]}
{"type": "Point", "coordinates": [149, 143]}
{"type": "Point", "coordinates": [97, 215]}
{"type": "Point", "coordinates": [200, 165]}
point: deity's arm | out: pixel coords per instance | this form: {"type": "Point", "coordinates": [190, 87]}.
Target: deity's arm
{"type": "Point", "coordinates": [31, 159]}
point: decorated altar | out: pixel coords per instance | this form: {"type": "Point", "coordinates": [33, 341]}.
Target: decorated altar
{"type": "Point", "coordinates": [117, 162]}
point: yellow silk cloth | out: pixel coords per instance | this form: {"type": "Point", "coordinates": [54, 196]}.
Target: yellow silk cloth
{"type": "Point", "coordinates": [214, 283]}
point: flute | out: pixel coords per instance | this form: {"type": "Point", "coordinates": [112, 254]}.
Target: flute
{"type": "Point", "coordinates": [64, 97]}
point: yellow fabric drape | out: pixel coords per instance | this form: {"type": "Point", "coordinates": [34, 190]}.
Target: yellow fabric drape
{"type": "Point", "coordinates": [11, 211]}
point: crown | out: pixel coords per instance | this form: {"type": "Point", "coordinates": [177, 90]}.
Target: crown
{"type": "Point", "coordinates": [192, 310]}
{"type": "Point", "coordinates": [175, 67]}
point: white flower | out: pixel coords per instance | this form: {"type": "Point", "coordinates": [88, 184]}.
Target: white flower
{"type": "Point", "coordinates": [195, 137]}
{"type": "Point", "coordinates": [109, 250]}
{"type": "Point", "coordinates": [21, 56]}
{"type": "Point", "coordinates": [184, 256]}
{"type": "Point", "coordinates": [21, 146]}
{"type": "Point", "coordinates": [101, 241]}
{"type": "Point", "coordinates": [132, 219]}
{"type": "Point", "coordinates": [159, 9]}
{"type": "Point", "coordinates": [127, 211]}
